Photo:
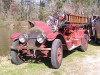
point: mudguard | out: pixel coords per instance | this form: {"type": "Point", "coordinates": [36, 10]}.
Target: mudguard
{"type": "Point", "coordinates": [52, 36]}
{"type": "Point", "coordinates": [15, 36]}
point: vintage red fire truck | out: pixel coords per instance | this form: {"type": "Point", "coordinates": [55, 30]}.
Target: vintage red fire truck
{"type": "Point", "coordinates": [49, 39]}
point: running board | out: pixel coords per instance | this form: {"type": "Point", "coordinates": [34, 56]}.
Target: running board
{"type": "Point", "coordinates": [73, 47]}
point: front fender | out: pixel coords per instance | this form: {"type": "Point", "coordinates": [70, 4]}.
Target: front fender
{"type": "Point", "coordinates": [15, 36]}
{"type": "Point", "coordinates": [52, 36]}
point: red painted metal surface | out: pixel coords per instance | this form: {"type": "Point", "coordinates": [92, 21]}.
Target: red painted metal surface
{"type": "Point", "coordinates": [52, 36]}
{"type": "Point", "coordinates": [43, 26]}
{"type": "Point", "coordinates": [15, 36]}
{"type": "Point", "coordinates": [46, 29]}
{"type": "Point", "coordinates": [75, 35]}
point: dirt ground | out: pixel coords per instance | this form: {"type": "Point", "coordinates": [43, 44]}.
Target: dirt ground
{"type": "Point", "coordinates": [90, 65]}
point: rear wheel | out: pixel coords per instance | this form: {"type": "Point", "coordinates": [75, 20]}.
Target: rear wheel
{"type": "Point", "coordinates": [15, 55]}
{"type": "Point", "coordinates": [56, 53]}
{"type": "Point", "coordinates": [84, 44]}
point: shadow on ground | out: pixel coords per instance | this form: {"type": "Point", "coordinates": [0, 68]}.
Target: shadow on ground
{"type": "Point", "coordinates": [47, 61]}
{"type": "Point", "coordinates": [94, 44]}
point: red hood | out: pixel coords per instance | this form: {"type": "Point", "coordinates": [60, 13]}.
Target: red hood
{"type": "Point", "coordinates": [43, 26]}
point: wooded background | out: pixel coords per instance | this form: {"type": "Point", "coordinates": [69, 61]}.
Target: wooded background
{"type": "Point", "coordinates": [19, 10]}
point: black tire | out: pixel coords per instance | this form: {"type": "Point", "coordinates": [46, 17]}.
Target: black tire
{"type": "Point", "coordinates": [14, 55]}
{"type": "Point", "coordinates": [56, 57]}
{"type": "Point", "coordinates": [15, 59]}
{"type": "Point", "coordinates": [84, 44]}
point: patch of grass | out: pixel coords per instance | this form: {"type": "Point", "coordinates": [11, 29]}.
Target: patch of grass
{"type": "Point", "coordinates": [79, 54]}
{"type": "Point", "coordinates": [56, 73]}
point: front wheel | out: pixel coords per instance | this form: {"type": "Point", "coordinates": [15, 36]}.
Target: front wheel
{"type": "Point", "coordinates": [56, 53]}
{"type": "Point", "coordinates": [15, 55]}
{"type": "Point", "coordinates": [84, 44]}
{"type": "Point", "coordinates": [15, 58]}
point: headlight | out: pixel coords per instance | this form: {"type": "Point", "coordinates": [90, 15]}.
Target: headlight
{"type": "Point", "coordinates": [23, 38]}
{"type": "Point", "coordinates": [41, 38]}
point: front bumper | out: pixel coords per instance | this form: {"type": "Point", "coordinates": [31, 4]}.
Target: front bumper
{"type": "Point", "coordinates": [32, 47]}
